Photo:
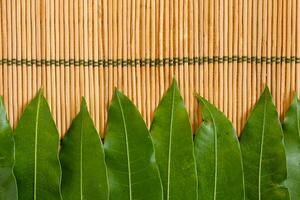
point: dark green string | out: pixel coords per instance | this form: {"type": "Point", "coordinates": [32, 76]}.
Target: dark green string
{"type": "Point", "coordinates": [152, 62]}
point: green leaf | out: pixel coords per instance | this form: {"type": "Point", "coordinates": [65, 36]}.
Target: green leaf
{"type": "Point", "coordinates": [8, 185]}
{"type": "Point", "coordinates": [129, 154]}
{"type": "Point", "coordinates": [291, 129]}
{"type": "Point", "coordinates": [263, 153]}
{"type": "Point", "coordinates": [82, 158]}
{"type": "Point", "coordinates": [218, 156]}
{"type": "Point", "coordinates": [173, 142]}
{"type": "Point", "coordinates": [37, 166]}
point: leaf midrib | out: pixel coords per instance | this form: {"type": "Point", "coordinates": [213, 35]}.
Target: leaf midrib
{"type": "Point", "coordinates": [81, 170]}
{"type": "Point", "coordinates": [35, 144]}
{"type": "Point", "coordinates": [215, 148]}
{"type": "Point", "coordinates": [127, 147]}
{"type": "Point", "coordinates": [261, 149]}
{"type": "Point", "coordinates": [170, 143]}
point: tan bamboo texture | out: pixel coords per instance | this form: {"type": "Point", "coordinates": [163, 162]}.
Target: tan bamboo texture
{"type": "Point", "coordinates": [225, 50]}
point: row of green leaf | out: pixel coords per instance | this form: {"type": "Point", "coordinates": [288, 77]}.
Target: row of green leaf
{"type": "Point", "coordinates": [163, 163]}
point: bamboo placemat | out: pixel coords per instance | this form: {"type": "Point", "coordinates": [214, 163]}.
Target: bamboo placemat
{"type": "Point", "coordinates": [226, 50]}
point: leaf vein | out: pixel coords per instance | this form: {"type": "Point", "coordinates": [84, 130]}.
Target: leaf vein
{"type": "Point", "coordinates": [127, 146]}
{"type": "Point", "coordinates": [35, 144]}
{"type": "Point", "coordinates": [170, 142]}
{"type": "Point", "coordinates": [261, 148]}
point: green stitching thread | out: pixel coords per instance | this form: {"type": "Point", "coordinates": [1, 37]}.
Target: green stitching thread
{"type": "Point", "coordinates": [152, 62]}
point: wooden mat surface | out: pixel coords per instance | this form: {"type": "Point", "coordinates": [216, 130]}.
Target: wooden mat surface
{"type": "Point", "coordinates": [225, 50]}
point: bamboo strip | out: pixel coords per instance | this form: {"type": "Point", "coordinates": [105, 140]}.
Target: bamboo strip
{"type": "Point", "coordinates": [63, 93]}
{"type": "Point", "coordinates": [14, 73]}
{"type": "Point", "coordinates": [48, 53]}
{"type": "Point", "coordinates": [66, 54]}
{"type": "Point", "coordinates": [5, 53]}
{"type": "Point", "coordinates": [298, 47]}
{"type": "Point", "coordinates": [1, 51]}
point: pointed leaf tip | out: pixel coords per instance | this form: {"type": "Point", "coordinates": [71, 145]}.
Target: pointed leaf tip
{"type": "Point", "coordinates": [295, 99]}
{"type": "Point", "coordinates": [117, 92]}
{"type": "Point", "coordinates": [83, 103]}
{"type": "Point", "coordinates": [267, 91]}
{"type": "Point", "coordinates": [266, 94]}
{"type": "Point", "coordinates": [41, 91]}
{"type": "Point", "coordinates": [201, 99]}
{"type": "Point", "coordinates": [40, 94]}
{"type": "Point", "coordinates": [174, 82]}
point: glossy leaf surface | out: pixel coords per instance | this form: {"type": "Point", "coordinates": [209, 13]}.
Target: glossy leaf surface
{"type": "Point", "coordinates": [218, 156]}
{"type": "Point", "coordinates": [82, 158]}
{"type": "Point", "coordinates": [263, 153]}
{"type": "Point", "coordinates": [291, 130]}
{"type": "Point", "coordinates": [173, 141]}
{"type": "Point", "coordinates": [8, 185]}
{"type": "Point", "coordinates": [129, 154]}
{"type": "Point", "coordinates": [37, 167]}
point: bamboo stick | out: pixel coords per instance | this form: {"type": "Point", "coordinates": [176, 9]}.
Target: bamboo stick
{"type": "Point", "coordinates": [1, 52]}
{"type": "Point", "coordinates": [14, 73]}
